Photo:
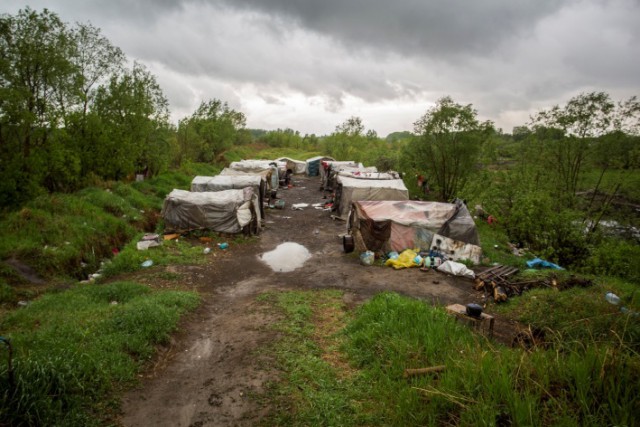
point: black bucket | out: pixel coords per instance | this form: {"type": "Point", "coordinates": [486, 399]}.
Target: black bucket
{"type": "Point", "coordinates": [347, 244]}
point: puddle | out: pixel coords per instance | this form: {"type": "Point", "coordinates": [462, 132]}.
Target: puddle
{"type": "Point", "coordinates": [286, 257]}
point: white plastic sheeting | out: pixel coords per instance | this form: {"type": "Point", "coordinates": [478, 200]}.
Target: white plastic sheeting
{"type": "Point", "coordinates": [353, 189]}
{"type": "Point", "coordinates": [296, 166]}
{"type": "Point", "coordinates": [457, 269]}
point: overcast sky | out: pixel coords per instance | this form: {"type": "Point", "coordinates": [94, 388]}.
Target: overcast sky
{"type": "Point", "coordinates": [311, 64]}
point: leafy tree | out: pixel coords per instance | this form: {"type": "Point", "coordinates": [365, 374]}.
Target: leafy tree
{"type": "Point", "coordinates": [133, 114]}
{"type": "Point", "coordinates": [449, 140]}
{"type": "Point", "coordinates": [213, 128]}
{"type": "Point", "coordinates": [35, 76]}
{"type": "Point", "coordinates": [581, 120]}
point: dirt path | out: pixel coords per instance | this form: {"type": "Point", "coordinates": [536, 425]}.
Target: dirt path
{"type": "Point", "coordinates": [211, 373]}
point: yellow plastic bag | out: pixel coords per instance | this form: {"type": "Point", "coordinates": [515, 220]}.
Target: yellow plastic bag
{"type": "Point", "coordinates": [404, 260]}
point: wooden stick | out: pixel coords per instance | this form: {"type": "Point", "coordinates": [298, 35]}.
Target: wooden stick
{"type": "Point", "coordinates": [423, 371]}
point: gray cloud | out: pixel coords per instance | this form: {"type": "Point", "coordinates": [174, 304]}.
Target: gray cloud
{"type": "Point", "coordinates": [310, 62]}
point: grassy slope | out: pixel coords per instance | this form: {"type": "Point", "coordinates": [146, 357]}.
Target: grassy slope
{"type": "Point", "coordinates": [355, 375]}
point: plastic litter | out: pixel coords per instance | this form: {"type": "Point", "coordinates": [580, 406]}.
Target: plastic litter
{"type": "Point", "coordinates": [367, 258]}
{"type": "Point", "coordinates": [540, 263]}
{"type": "Point", "coordinates": [224, 245]}
{"type": "Point", "coordinates": [406, 259]}
{"type": "Point", "coordinates": [206, 250]}
{"type": "Point", "coordinates": [299, 206]}
{"type": "Point", "coordinates": [147, 263]}
{"type": "Point", "coordinates": [456, 269]}
{"type": "Point", "coordinates": [612, 298]}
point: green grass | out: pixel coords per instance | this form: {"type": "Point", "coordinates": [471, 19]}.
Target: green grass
{"type": "Point", "coordinates": [68, 235]}
{"type": "Point", "coordinates": [484, 383]}
{"type": "Point", "coordinates": [130, 259]}
{"type": "Point", "coordinates": [71, 347]}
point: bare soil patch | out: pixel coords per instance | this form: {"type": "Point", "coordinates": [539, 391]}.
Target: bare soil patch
{"type": "Point", "coordinates": [213, 373]}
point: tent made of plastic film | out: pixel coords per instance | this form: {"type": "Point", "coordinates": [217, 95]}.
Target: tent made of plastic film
{"type": "Point", "coordinates": [227, 211]}
{"type": "Point", "coordinates": [295, 166]}
{"type": "Point", "coordinates": [232, 182]}
{"type": "Point", "coordinates": [395, 226]}
{"type": "Point", "coordinates": [313, 165]}
{"type": "Point", "coordinates": [329, 167]}
{"type": "Point", "coordinates": [349, 190]}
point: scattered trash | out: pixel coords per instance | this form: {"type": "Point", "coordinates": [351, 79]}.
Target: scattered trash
{"type": "Point", "coordinates": [114, 302]}
{"type": "Point", "coordinates": [23, 303]}
{"type": "Point", "coordinates": [115, 251]}
{"type": "Point", "coordinates": [317, 205]}
{"type": "Point", "coordinates": [456, 269]}
{"type": "Point", "coordinates": [392, 255]}
{"type": "Point", "coordinates": [205, 239]}
{"type": "Point", "coordinates": [279, 204]}
{"type": "Point", "coordinates": [316, 231]}
{"type": "Point", "coordinates": [147, 263]}
{"type": "Point", "coordinates": [406, 259]}
{"type": "Point", "coordinates": [299, 206]}
{"type": "Point", "coordinates": [206, 250]}
{"type": "Point", "coordinates": [151, 236]}
{"type": "Point", "coordinates": [367, 258]}
{"type": "Point", "coordinates": [612, 298]}
{"type": "Point", "coordinates": [172, 236]}
{"type": "Point", "coordinates": [143, 245]}
{"type": "Point", "coordinates": [224, 245]}
{"type": "Point", "coordinates": [540, 263]}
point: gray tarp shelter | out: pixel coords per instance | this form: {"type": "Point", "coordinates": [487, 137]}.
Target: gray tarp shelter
{"type": "Point", "coordinates": [227, 211]}
{"type": "Point", "coordinates": [388, 225]}
{"type": "Point", "coordinates": [349, 190]}
{"type": "Point", "coordinates": [232, 182]}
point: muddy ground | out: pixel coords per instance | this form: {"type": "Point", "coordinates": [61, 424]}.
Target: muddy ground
{"type": "Point", "coordinates": [212, 373]}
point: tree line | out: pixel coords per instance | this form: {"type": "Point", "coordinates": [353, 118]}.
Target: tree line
{"type": "Point", "coordinates": [74, 111]}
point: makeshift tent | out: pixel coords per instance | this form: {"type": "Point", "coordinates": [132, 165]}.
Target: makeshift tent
{"type": "Point", "coordinates": [265, 174]}
{"type": "Point", "coordinates": [257, 165]}
{"type": "Point", "coordinates": [295, 166]}
{"type": "Point", "coordinates": [231, 182]}
{"type": "Point", "coordinates": [397, 225]}
{"type": "Point", "coordinates": [313, 165]}
{"type": "Point", "coordinates": [328, 166]}
{"type": "Point", "coordinates": [228, 211]}
{"type": "Point", "coordinates": [350, 189]}
{"type": "Point", "coordinates": [330, 171]}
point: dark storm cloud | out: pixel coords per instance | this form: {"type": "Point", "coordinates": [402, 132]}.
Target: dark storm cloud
{"type": "Point", "coordinates": [415, 27]}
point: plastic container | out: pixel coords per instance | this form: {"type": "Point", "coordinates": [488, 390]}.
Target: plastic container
{"type": "Point", "coordinates": [367, 258]}
{"type": "Point", "coordinates": [224, 245]}
{"type": "Point", "coordinates": [348, 244]}
{"type": "Point", "coordinates": [612, 298]}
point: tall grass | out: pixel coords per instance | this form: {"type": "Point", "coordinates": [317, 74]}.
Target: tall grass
{"type": "Point", "coordinates": [68, 235]}
{"type": "Point", "coordinates": [483, 383]}
{"type": "Point", "coordinates": [70, 347]}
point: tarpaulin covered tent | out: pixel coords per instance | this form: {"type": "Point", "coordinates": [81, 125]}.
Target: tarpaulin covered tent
{"type": "Point", "coordinates": [264, 173]}
{"type": "Point", "coordinates": [399, 225]}
{"type": "Point", "coordinates": [351, 189]}
{"type": "Point", "coordinates": [327, 166]}
{"type": "Point", "coordinates": [295, 166]}
{"type": "Point", "coordinates": [313, 165]}
{"type": "Point", "coordinates": [330, 171]}
{"type": "Point", "coordinates": [228, 211]}
{"type": "Point", "coordinates": [232, 182]}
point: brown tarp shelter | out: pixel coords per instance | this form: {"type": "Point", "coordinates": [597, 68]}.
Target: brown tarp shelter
{"type": "Point", "coordinates": [399, 225]}
{"type": "Point", "coordinates": [349, 189]}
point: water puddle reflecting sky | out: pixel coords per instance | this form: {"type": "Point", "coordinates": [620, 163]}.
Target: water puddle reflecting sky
{"type": "Point", "coordinates": [286, 257]}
